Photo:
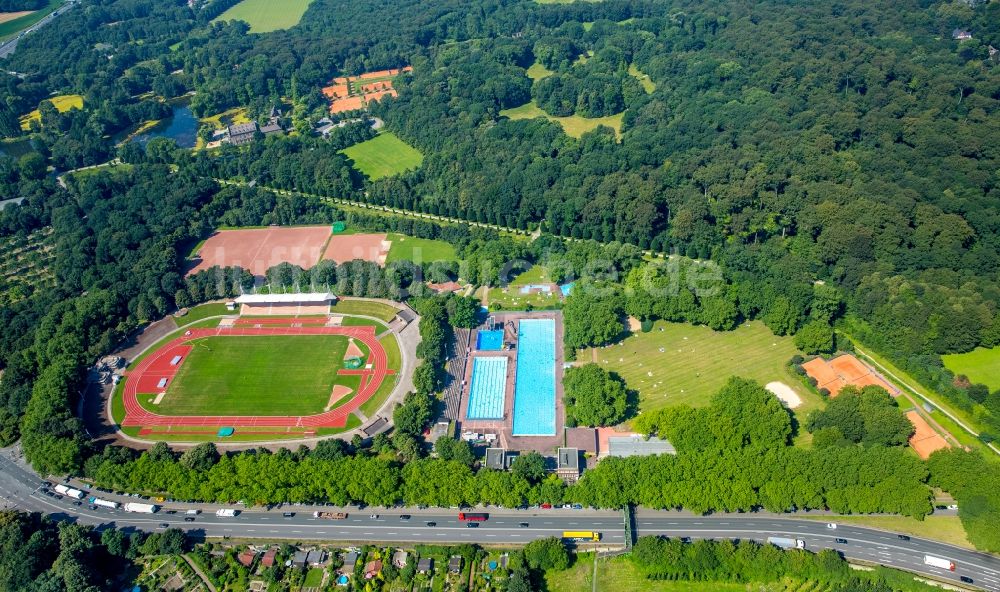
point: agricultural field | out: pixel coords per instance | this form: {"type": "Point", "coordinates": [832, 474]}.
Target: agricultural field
{"type": "Point", "coordinates": [408, 248]}
{"type": "Point", "coordinates": [981, 365]}
{"type": "Point", "coordinates": [62, 103]}
{"type": "Point", "coordinates": [265, 16]}
{"type": "Point", "coordinates": [24, 265]}
{"type": "Point", "coordinates": [257, 375]}
{"type": "Point", "coordinates": [383, 156]}
{"type": "Point", "coordinates": [683, 364]}
{"type": "Point", "coordinates": [12, 23]}
{"type": "Point", "coordinates": [574, 125]}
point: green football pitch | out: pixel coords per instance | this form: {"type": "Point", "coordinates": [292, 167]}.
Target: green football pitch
{"type": "Point", "coordinates": [257, 375]}
{"type": "Point", "coordinates": [383, 155]}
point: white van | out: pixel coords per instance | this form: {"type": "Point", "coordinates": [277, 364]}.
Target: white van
{"type": "Point", "coordinates": [193, 512]}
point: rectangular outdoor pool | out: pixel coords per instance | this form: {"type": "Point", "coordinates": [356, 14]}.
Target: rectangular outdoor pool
{"type": "Point", "coordinates": [535, 384]}
{"type": "Point", "coordinates": [489, 340]}
{"type": "Point", "coordinates": [486, 394]}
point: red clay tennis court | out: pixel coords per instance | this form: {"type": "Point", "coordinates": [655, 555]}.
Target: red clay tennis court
{"type": "Point", "coordinates": [924, 440]}
{"type": "Point", "coordinates": [258, 249]}
{"type": "Point", "coordinates": [162, 364]}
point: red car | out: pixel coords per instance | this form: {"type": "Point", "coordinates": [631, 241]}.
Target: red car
{"type": "Point", "coordinates": [546, 506]}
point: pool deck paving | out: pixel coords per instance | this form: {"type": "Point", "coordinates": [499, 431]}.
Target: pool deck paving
{"type": "Point", "coordinates": [504, 427]}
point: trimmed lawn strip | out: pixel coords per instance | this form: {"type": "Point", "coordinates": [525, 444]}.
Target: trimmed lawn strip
{"type": "Point", "coordinates": [379, 310]}
{"type": "Point", "coordinates": [394, 358]}
{"type": "Point", "coordinates": [202, 311]}
{"type": "Point", "coordinates": [372, 405]}
{"type": "Point", "coordinates": [947, 529]}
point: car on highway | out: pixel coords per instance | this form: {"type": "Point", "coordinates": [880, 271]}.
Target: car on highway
{"type": "Point", "coordinates": [953, 506]}
{"type": "Point", "coordinates": [189, 519]}
{"type": "Point", "coordinates": [164, 525]}
{"type": "Point", "coordinates": [432, 524]}
{"type": "Point", "coordinates": [902, 537]}
{"type": "Point", "coordinates": [831, 526]}
{"type": "Point", "coordinates": [472, 525]}
{"type": "Point", "coordinates": [577, 506]}
{"type": "Point", "coordinates": [841, 541]}
{"type": "Point", "coordinates": [288, 514]}
{"type": "Point", "coordinates": [374, 516]}
{"type": "Point", "coordinates": [171, 511]}
{"type": "Point", "coordinates": [685, 539]}
{"type": "Point", "coordinates": [524, 525]}
{"type": "Point", "coordinates": [92, 507]}
{"type": "Point", "coordinates": [77, 503]}
{"type": "Point", "coordinates": [965, 579]}
{"type": "Point", "coordinates": [404, 516]}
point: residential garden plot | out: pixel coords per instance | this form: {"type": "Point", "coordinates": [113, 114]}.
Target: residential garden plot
{"type": "Point", "coordinates": [257, 375]}
{"type": "Point", "coordinates": [696, 361]}
{"type": "Point", "coordinates": [981, 365]}
{"type": "Point", "coordinates": [383, 156]}
{"type": "Point", "coordinates": [265, 16]}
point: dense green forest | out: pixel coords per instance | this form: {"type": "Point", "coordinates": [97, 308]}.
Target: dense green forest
{"type": "Point", "coordinates": [827, 163]}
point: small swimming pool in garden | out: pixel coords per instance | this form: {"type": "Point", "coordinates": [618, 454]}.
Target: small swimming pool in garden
{"type": "Point", "coordinates": [535, 384]}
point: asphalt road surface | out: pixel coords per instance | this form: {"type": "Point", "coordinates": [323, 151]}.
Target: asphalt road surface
{"type": "Point", "coordinates": [20, 489]}
{"type": "Point", "coordinates": [9, 47]}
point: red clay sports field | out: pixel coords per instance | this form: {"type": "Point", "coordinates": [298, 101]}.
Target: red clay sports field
{"type": "Point", "coordinates": [146, 376]}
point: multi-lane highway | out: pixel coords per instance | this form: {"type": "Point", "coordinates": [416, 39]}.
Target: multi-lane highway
{"type": "Point", "coordinates": [19, 488]}
{"type": "Point", "coordinates": [10, 46]}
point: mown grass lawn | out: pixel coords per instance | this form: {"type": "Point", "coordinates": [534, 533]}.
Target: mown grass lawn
{"type": "Point", "coordinates": [620, 575]}
{"type": "Point", "coordinates": [697, 361]}
{"type": "Point", "coordinates": [574, 125]}
{"type": "Point", "coordinates": [368, 308]}
{"type": "Point", "coordinates": [257, 375]}
{"type": "Point", "coordinates": [62, 103]}
{"type": "Point", "coordinates": [419, 250]}
{"type": "Point", "coordinates": [265, 16]}
{"type": "Point", "coordinates": [981, 365]}
{"type": "Point", "coordinates": [383, 156]}
{"type": "Point", "coordinates": [537, 71]}
{"type": "Point", "coordinates": [647, 84]}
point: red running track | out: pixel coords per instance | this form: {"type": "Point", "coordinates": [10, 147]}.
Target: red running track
{"type": "Point", "coordinates": [157, 365]}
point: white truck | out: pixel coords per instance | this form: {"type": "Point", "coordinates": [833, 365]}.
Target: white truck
{"type": "Point", "coordinates": [141, 508]}
{"type": "Point", "coordinates": [939, 562]}
{"type": "Point", "coordinates": [96, 501]}
{"type": "Point", "coordinates": [225, 513]}
{"type": "Point", "coordinates": [786, 543]}
{"type": "Point", "coordinates": [69, 491]}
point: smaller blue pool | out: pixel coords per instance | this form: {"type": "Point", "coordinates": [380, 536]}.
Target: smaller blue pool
{"type": "Point", "coordinates": [486, 393]}
{"type": "Point", "coordinates": [489, 340]}
{"type": "Point", "coordinates": [543, 288]}
{"type": "Point", "coordinates": [342, 580]}
{"type": "Point", "coordinates": [566, 288]}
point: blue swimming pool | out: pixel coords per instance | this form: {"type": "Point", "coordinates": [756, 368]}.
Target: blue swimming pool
{"type": "Point", "coordinates": [566, 288]}
{"type": "Point", "coordinates": [535, 384]}
{"type": "Point", "coordinates": [489, 376]}
{"type": "Point", "coordinates": [543, 288]}
{"type": "Point", "coordinates": [489, 340]}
